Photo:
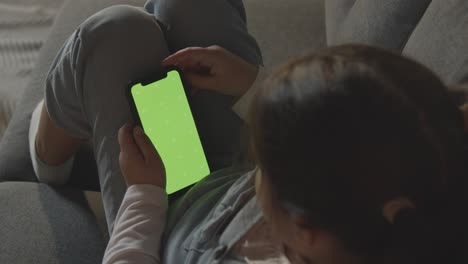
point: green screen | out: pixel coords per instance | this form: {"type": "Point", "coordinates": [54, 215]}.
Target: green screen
{"type": "Point", "coordinates": [167, 120]}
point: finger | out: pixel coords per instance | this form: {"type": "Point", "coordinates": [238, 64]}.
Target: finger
{"type": "Point", "coordinates": [145, 145]}
{"type": "Point", "coordinates": [197, 53]}
{"type": "Point", "coordinates": [179, 55]}
{"type": "Point", "coordinates": [126, 142]}
{"type": "Point", "coordinates": [199, 65]}
{"type": "Point", "coordinates": [194, 54]}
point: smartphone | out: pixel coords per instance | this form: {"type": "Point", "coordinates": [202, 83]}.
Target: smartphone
{"type": "Point", "coordinates": [160, 105]}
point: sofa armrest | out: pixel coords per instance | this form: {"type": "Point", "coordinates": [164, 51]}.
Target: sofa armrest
{"type": "Point", "coordinates": [41, 224]}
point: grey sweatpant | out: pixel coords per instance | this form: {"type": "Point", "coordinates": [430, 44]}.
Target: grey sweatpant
{"type": "Point", "coordinates": [86, 84]}
{"type": "Point", "coordinates": [85, 87]}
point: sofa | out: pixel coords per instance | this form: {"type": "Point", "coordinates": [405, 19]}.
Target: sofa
{"type": "Point", "coordinates": [46, 224]}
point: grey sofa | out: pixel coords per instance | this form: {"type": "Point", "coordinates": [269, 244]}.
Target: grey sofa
{"type": "Point", "coordinates": [43, 224]}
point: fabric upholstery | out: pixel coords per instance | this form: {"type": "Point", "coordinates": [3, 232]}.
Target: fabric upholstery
{"type": "Point", "coordinates": [40, 224]}
{"type": "Point", "coordinates": [286, 29]}
{"type": "Point", "coordinates": [440, 41]}
{"type": "Point", "coordinates": [386, 24]}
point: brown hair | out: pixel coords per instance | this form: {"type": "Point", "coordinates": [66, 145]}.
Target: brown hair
{"type": "Point", "coordinates": [343, 131]}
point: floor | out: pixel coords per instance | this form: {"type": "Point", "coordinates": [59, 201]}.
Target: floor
{"type": "Point", "coordinates": [24, 26]}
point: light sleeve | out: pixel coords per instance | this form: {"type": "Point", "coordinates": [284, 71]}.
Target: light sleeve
{"type": "Point", "coordinates": [139, 226]}
{"type": "Point", "coordinates": [241, 107]}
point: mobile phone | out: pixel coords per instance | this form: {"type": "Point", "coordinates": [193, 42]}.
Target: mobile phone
{"type": "Point", "coordinates": [160, 105]}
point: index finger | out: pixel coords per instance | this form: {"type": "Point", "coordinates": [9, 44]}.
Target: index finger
{"type": "Point", "coordinates": [193, 53]}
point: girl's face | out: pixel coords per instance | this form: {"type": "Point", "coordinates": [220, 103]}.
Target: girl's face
{"type": "Point", "coordinates": [301, 243]}
{"type": "Point", "coordinates": [283, 228]}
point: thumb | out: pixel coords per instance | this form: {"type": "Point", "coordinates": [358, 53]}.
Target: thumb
{"type": "Point", "coordinates": [145, 145]}
{"type": "Point", "coordinates": [126, 142]}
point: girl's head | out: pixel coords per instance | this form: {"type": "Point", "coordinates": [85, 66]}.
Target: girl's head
{"type": "Point", "coordinates": [360, 154]}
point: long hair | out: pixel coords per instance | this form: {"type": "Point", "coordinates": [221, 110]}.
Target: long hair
{"type": "Point", "coordinates": [341, 132]}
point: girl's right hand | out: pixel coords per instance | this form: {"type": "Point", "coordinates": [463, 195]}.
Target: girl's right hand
{"type": "Point", "coordinates": [214, 68]}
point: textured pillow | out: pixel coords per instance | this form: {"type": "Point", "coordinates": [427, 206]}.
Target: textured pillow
{"type": "Point", "coordinates": [23, 30]}
{"type": "Point", "coordinates": [6, 109]}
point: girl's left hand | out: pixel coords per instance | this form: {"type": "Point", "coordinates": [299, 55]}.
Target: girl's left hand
{"type": "Point", "coordinates": [139, 161]}
{"type": "Point", "coordinates": [214, 68]}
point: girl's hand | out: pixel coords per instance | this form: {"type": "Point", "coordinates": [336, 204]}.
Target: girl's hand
{"type": "Point", "coordinates": [214, 68]}
{"type": "Point", "coordinates": [139, 161]}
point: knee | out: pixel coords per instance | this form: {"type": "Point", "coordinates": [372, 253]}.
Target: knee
{"type": "Point", "coordinates": [119, 23]}
{"type": "Point", "coordinates": [206, 23]}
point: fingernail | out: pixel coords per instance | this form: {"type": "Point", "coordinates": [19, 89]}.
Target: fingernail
{"type": "Point", "coordinates": [138, 131]}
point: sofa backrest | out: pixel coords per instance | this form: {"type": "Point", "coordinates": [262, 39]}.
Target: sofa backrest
{"type": "Point", "coordinates": [286, 29]}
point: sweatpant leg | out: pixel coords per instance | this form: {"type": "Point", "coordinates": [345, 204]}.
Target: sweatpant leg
{"type": "Point", "coordinates": [85, 88]}
{"type": "Point", "coordinates": [383, 23]}
{"type": "Point", "coordinates": [204, 23]}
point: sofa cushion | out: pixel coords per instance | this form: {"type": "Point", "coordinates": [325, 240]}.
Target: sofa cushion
{"type": "Point", "coordinates": [43, 225]}
{"type": "Point", "coordinates": [386, 24]}
{"type": "Point", "coordinates": [286, 29]}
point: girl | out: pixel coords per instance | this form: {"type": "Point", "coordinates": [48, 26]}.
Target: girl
{"type": "Point", "coordinates": [358, 151]}
{"type": "Point", "coordinates": [357, 162]}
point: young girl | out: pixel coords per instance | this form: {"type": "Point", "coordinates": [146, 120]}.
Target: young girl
{"type": "Point", "coordinates": [358, 151]}
{"type": "Point", "coordinates": [360, 159]}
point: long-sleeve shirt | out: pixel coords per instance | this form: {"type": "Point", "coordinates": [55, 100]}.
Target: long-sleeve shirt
{"type": "Point", "coordinates": [140, 222]}
{"type": "Point", "coordinates": [138, 226]}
